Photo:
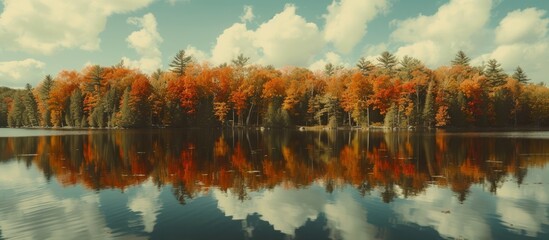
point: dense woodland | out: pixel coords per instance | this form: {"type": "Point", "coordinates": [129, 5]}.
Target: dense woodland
{"type": "Point", "coordinates": [394, 93]}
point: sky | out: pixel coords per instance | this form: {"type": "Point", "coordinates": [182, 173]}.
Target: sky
{"type": "Point", "coordinates": [39, 37]}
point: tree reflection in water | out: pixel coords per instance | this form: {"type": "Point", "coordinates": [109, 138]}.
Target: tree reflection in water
{"type": "Point", "coordinates": [399, 164]}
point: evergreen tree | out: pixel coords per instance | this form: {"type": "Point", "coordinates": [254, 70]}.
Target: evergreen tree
{"type": "Point", "coordinates": [96, 78]}
{"type": "Point", "coordinates": [76, 107]}
{"type": "Point", "coordinates": [461, 59]}
{"type": "Point", "coordinates": [31, 107]}
{"type": "Point", "coordinates": [180, 63]}
{"type": "Point", "coordinates": [365, 66]}
{"type": "Point", "coordinates": [15, 115]}
{"type": "Point", "coordinates": [329, 69]}
{"type": "Point", "coordinates": [44, 94]}
{"type": "Point", "coordinates": [494, 73]}
{"type": "Point", "coordinates": [240, 61]}
{"type": "Point", "coordinates": [520, 76]}
{"type": "Point", "coordinates": [409, 64]}
{"type": "Point", "coordinates": [110, 105]}
{"type": "Point", "coordinates": [387, 61]}
{"type": "Point", "coordinates": [126, 115]}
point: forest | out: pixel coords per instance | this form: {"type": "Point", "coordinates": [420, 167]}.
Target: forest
{"type": "Point", "coordinates": [390, 93]}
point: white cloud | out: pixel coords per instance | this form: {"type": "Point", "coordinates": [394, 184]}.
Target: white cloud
{"type": "Point", "coordinates": [248, 14]}
{"type": "Point", "coordinates": [521, 39]}
{"type": "Point", "coordinates": [347, 219]}
{"type": "Point", "coordinates": [429, 209]}
{"type": "Point", "coordinates": [286, 39]}
{"type": "Point", "coordinates": [457, 25]}
{"type": "Point", "coordinates": [18, 73]}
{"type": "Point", "coordinates": [43, 26]}
{"type": "Point", "coordinates": [289, 209]}
{"type": "Point", "coordinates": [428, 51]}
{"type": "Point", "coordinates": [330, 57]}
{"type": "Point", "coordinates": [235, 40]}
{"type": "Point", "coordinates": [198, 55]}
{"type": "Point", "coordinates": [31, 200]}
{"type": "Point", "coordinates": [146, 43]}
{"type": "Point", "coordinates": [285, 209]}
{"type": "Point", "coordinates": [511, 207]}
{"type": "Point", "coordinates": [347, 20]}
{"type": "Point", "coordinates": [526, 25]}
{"type": "Point", "coordinates": [147, 203]}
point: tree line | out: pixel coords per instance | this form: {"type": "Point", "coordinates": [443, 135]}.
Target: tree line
{"type": "Point", "coordinates": [394, 93]}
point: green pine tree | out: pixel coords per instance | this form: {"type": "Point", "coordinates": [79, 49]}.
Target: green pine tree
{"type": "Point", "coordinates": [76, 107]}
{"type": "Point", "coordinates": [180, 63]}
{"type": "Point", "coordinates": [461, 59]}
{"type": "Point", "coordinates": [520, 75]}
{"type": "Point", "coordinates": [126, 114]}
{"type": "Point", "coordinates": [494, 73]}
{"type": "Point", "coordinates": [387, 61]}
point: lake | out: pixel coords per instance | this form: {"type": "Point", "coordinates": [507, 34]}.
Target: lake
{"type": "Point", "coordinates": [273, 184]}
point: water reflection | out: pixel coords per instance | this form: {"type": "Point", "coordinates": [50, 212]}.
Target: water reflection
{"type": "Point", "coordinates": [248, 161]}
{"type": "Point", "coordinates": [294, 179]}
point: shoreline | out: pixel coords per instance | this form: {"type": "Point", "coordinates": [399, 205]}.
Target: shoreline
{"type": "Point", "coordinates": [310, 128]}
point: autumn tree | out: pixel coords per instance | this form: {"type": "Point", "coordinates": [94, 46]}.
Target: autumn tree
{"type": "Point", "coordinates": [139, 104]}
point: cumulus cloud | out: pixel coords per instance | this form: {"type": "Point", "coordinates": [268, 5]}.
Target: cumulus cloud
{"type": "Point", "coordinates": [146, 43]}
{"type": "Point", "coordinates": [525, 219]}
{"type": "Point", "coordinates": [285, 209]}
{"type": "Point", "coordinates": [234, 40]}
{"type": "Point", "coordinates": [19, 73]}
{"type": "Point", "coordinates": [346, 219]}
{"type": "Point", "coordinates": [526, 25]}
{"type": "Point", "coordinates": [434, 39]}
{"type": "Point", "coordinates": [428, 210]}
{"type": "Point", "coordinates": [198, 55]}
{"type": "Point", "coordinates": [347, 20]}
{"type": "Point", "coordinates": [44, 26]}
{"type": "Point", "coordinates": [286, 39]}
{"type": "Point", "coordinates": [248, 14]}
{"type": "Point", "coordinates": [521, 39]}
{"type": "Point", "coordinates": [329, 57]}
{"type": "Point", "coordinates": [32, 200]}
{"type": "Point", "coordinates": [147, 203]}
{"type": "Point", "coordinates": [289, 209]}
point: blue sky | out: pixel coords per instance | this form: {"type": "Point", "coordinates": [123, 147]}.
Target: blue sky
{"type": "Point", "coordinates": [39, 37]}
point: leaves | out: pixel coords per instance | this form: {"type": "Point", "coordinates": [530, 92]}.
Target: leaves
{"type": "Point", "coordinates": [402, 93]}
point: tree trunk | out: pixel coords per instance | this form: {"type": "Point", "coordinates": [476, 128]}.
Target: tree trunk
{"type": "Point", "coordinates": [249, 114]}
{"type": "Point", "coordinates": [349, 114]}
{"type": "Point", "coordinates": [368, 116]}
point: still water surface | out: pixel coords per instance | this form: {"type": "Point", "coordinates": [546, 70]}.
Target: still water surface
{"type": "Point", "coordinates": [212, 184]}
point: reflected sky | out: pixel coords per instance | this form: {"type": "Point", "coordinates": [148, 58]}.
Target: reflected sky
{"type": "Point", "coordinates": [109, 186]}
